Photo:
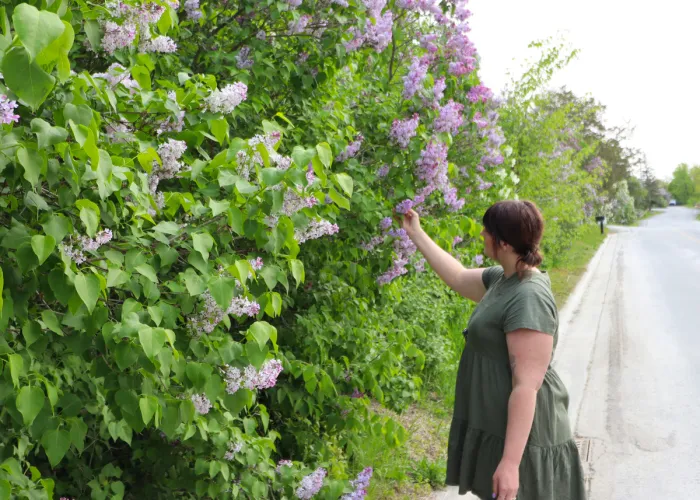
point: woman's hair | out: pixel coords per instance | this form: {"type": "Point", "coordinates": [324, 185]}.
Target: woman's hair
{"type": "Point", "coordinates": [520, 225]}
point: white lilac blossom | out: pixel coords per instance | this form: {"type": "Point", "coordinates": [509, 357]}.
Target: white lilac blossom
{"type": "Point", "coordinates": [172, 124]}
{"type": "Point", "coordinates": [170, 154]}
{"type": "Point", "coordinates": [261, 35]}
{"type": "Point", "coordinates": [419, 265]}
{"type": "Point", "coordinates": [160, 44]}
{"type": "Point", "coordinates": [201, 403]}
{"type": "Point", "coordinates": [74, 251]}
{"type": "Point", "coordinates": [283, 463]}
{"type": "Point", "coordinates": [311, 484]}
{"type": "Point", "coordinates": [7, 110]}
{"type": "Point", "coordinates": [233, 448]}
{"type": "Point", "coordinates": [117, 74]}
{"type": "Point", "coordinates": [316, 229]}
{"type": "Point", "coordinates": [293, 203]}
{"type": "Point", "coordinates": [243, 59]}
{"type": "Point", "coordinates": [294, 3]}
{"type": "Point", "coordinates": [117, 36]}
{"type": "Point", "coordinates": [211, 314]}
{"type": "Point", "coordinates": [227, 99]}
{"type": "Point", "coordinates": [192, 10]}
{"type": "Point", "coordinates": [402, 131]}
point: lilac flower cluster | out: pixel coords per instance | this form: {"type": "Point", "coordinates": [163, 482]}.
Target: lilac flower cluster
{"type": "Point", "coordinates": [243, 59]}
{"type": "Point", "coordinates": [294, 3]}
{"type": "Point", "coordinates": [257, 264]}
{"type": "Point", "coordinates": [419, 265]}
{"type": "Point", "coordinates": [292, 202]}
{"type": "Point", "coordinates": [383, 171]}
{"type": "Point", "coordinates": [403, 249]}
{"type": "Point", "coordinates": [316, 229]}
{"type": "Point", "coordinates": [310, 175]}
{"type": "Point", "coordinates": [311, 484]}
{"type": "Point", "coordinates": [117, 36]}
{"type": "Point", "coordinates": [404, 206]}
{"type": "Point", "coordinates": [360, 483]}
{"type": "Point", "coordinates": [233, 448]}
{"type": "Point", "coordinates": [7, 110]}
{"type": "Point", "coordinates": [192, 10]}
{"type": "Point", "coordinates": [450, 117]}
{"type": "Point", "coordinates": [432, 164]}
{"type": "Point", "coordinates": [227, 99]}
{"type": "Point", "coordinates": [170, 154]}
{"type": "Point", "coordinates": [172, 123]}
{"type": "Point", "coordinates": [453, 202]}
{"type": "Point", "coordinates": [87, 244]}
{"type": "Point", "coordinates": [593, 165]}
{"type": "Point", "coordinates": [283, 463]}
{"type": "Point", "coordinates": [479, 260]}
{"type": "Point", "coordinates": [298, 26]}
{"type": "Point", "coordinates": [211, 315]}
{"type": "Point", "coordinates": [269, 141]}
{"type": "Point", "coordinates": [352, 149]}
{"type": "Point", "coordinates": [483, 185]}
{"type": "Point", "coordinates": [377, 33]}
{"type": "Point", "coordinates": [457, 240]}
{"type": "Point", "coordinates": [117, 74]}
{"type": "Point", "coordinates": [438, 93]}
{"type": "Point", "coordinates": [250, 378]}
{"type": "Point", "coordinates": [479, 93]}
{"type": "Point", "coordinates": [135, 18]}
{"type": "Point", "coordinates": [160, 44]}
{"type": "Point", "coordinates": [413, 80]}
{"type": "Point", "coordinates": [201, 403]}
{"type": "Point", "coordinates": [403, 130]}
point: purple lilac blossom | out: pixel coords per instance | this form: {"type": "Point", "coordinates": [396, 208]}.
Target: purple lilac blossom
{"type": "Point", "coordinates": [311, 484]}
{"type": "Point", "coordinates": [7, 110]}
{"type": "Point", "coordinates": [413, 80]}
{"type": "Point", "coordinates": [283, 463]}
{"type": "Point", "coordinates": [450, 117]}
{"type": "Point", "coordinates": [383, 171]}
{"type": "Point", "coordinates": [404, 206]}
{"type": "Point", "coordinates": [403, 130]}
{"type": "Point", "coordinates": [352, 149]}
{"type": "Point", "coordinates": [479, 93]}
{"type": "Point", "coordinates": [479, 260]}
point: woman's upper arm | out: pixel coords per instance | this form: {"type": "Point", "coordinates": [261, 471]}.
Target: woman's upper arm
{"type": "Point", "coordinates": [530, 352]}
{"type": "Point", "coordinates": [470, 284]}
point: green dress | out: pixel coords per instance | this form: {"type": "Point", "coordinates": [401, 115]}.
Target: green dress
{"type": "Point", "coordinates": [550, 468]}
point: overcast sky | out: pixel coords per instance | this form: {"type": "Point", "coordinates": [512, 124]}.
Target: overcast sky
{"type": "Point", "coordinates": [640, 59]}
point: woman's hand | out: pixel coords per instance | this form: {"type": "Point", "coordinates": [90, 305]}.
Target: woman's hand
{"type": "Point", "coordinates": [506, 481]}
{"type": "Point", "coordinates": [411, 223]}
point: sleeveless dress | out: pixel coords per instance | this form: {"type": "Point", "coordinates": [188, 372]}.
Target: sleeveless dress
{"type": "Point", "coordinates": [550, 468]}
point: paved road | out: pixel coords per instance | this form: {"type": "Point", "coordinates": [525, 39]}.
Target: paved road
{"type": "Point", "coordinates": [629, 354]}
{"type": "Point", "coordinates": [640, 404]}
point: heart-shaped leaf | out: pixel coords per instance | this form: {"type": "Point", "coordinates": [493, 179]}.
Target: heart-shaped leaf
{"type": "Point", "coordinates": [36, 29]}
{"type": "Point", "coordinates": [152, 340]}
{"type": "Point", "coordinates": [30, 401]}
{"type": "Point", "coordinates": [56, 444]}
{"type": "Point", "coordinates": [26, 78]}
{"type": "Point", "coordinates": [88, 288]}
{"type": "Point", "coordinates": [43, 246]}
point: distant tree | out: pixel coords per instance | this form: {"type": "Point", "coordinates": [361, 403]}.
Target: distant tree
{"type": "Point", "coordinates": [682, 187]}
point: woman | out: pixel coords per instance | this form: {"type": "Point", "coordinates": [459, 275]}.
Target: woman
{"type": "Point", "coordinates": [510, 435]}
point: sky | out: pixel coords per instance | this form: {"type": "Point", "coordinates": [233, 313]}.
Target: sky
{"type": "Point", "coordinates": [639, 58]}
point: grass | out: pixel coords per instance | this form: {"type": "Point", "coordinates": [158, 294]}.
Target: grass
{"type": "Point", "coordinates": [572, 264]}
{"type": "Point", "coordinates": [417, 468]}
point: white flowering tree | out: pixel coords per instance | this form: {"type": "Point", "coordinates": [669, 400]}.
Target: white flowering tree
{"type": "Point", "coordinates": [177, 179]}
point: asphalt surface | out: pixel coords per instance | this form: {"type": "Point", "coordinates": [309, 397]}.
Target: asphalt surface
{"type": "Point", "coordinates": [629, 354]}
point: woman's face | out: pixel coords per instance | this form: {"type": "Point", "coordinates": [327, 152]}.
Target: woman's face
{"type": "Point", "coordinates": [489, 249]}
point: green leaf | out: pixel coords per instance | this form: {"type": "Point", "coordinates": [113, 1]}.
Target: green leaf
{"type": "Point", "coordinates": [2, 285]}
{"type": "Point", "coordinates": [325, 154]}
{"type": "Point", "coordinates": [167, 227]}
{"type": "Point", "coordinates": [5, 490]}
{"type": "Point", "coordinates": [302, 157]}
{"type": "Point", "coordinates": [58, 52]}
{"type": "Point", "coordinates": [30, 401]}
{"type": "Point", "coordinates": [26, 78]}
{"type": "Point", "coordinates": [78, 431]}
{"type": "Point", "coordinates": [51, 321]}
{"type": "Point", "coordinates": [88, 288]}
{"type": "Point", "coordinates": [125, 355]}
{"type": "Point", "coordinates": [31, 199]}
{"type": "Point", "coordinates": [345, 182]}
{"type": "Point", "coordinates": [142, 76]}
{"type": "Point", "coordinates": [36, 29]}
{"type": "Point", "coordinates": [43, 247]}
{"type": "Point", "coordinates": [220, 129]}
{"type": "Point", "coordinates": [57, 226]}
{"type": "Point", "coordinates": [218, 207]}
{"type": "Point", "coordinates": [33, 162]}
{"type": "Point", "coordinates": [339, 199]}
{"type": "Point", "coordinates": [147, 271]}
{"type": "Point", "coordinates": [272, 176]}
{"type": "Point", "coordinates": [31, 331]}
{"type": "Point", "coordinates": [86, 138]}
{"type": "Point", "coordinates": [221, 289]}
{"type": "Point", "coordinates": [90, 215]}
{"type": "Point", "coordinates": [56, 443]}
{"type": "Point", "coordinates": [149, 405]}
{"type": "Point", "coordinates": [194, 282]}
{"type": "Point", "coordinates": [235, 402]}
{"type": "Point", "coordinates": [203, 243]}
{"type": "Point", "coordinates": [146, 159]}
{"type": "Point", "coordinates": [152, 340]}
{"type": "Point", "coordinates": [16, 368]}
{"type": "Point", "coordinates": [269, 274]}
{"type": "Point", "coordinates": [297, 271]}
{"type": "Point", "coordinates": [256, 354]}
{"type": "Point", "coordinates": [199, 374]}
{"type": "Point", "coordinates": [261, 332]}
{"type": "Point", "coordinates": [48, 135]}
{"type": "Point", "coordinates": [116, 277]}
